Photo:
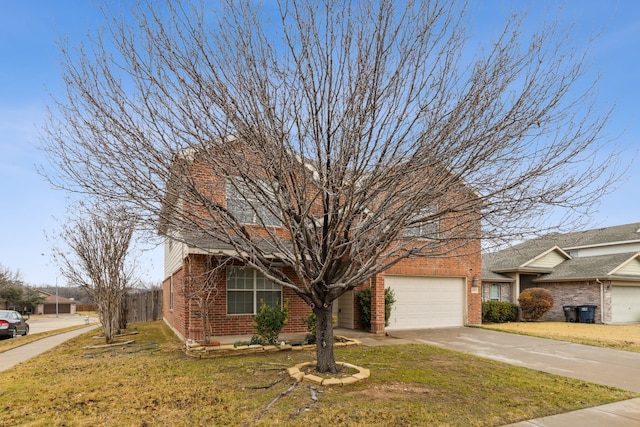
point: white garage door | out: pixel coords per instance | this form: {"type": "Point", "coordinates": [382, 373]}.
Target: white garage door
{"type": "Point", "coordinates": [625, 304]}
{"type": "Point", "coordinates": [426, 302]}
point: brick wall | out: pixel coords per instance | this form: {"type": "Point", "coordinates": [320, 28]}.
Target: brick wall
{"type": "Point", "coordinates": [466, 263]}
{"type": "Point", "coordinates": [176, 317]}
{"type": "Point", "coordinates": [459, 258]}
{"type": "Point", "coordinates": [572, 293]}
{"type": "Point", "coordinates": [506, 292]}
{"type": "Point", "coordinates": [220, 322]}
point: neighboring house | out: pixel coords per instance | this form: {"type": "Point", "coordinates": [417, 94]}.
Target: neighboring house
{"type": "Point", "coordinates": [64, 305]}
{"type": "Point", "coordinates": [429, 292]}
{"type": "Point", "coordinates": [598, 267]}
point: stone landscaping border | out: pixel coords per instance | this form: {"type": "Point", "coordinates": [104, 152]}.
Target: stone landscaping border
{"type": "Point", "coordinates": [198, 350]}
{"type": "Point", "coordinates": [296, 373]}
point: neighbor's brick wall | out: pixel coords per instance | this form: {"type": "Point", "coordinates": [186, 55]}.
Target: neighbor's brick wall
{"type": "Point", "coordinates": [506, 292]}
{"type": "Point", "coordinates": [573, 293]}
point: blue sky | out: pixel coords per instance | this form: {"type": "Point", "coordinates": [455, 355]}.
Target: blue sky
{"type": "Point", "coordinates": [29, 73]}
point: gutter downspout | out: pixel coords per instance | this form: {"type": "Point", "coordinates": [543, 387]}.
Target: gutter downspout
{"type": "Point", "coordinates": [598, 281]}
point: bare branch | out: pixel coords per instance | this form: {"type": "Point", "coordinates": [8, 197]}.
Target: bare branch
{"type": "Point", "coordinates": [325, 139]}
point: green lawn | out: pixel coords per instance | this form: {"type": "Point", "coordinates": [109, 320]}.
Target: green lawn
{"type": "Point", "coordinates": [152, 382]}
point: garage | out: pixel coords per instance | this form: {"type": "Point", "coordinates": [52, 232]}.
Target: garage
{"type": "Point", "coordinates": [625, 304]}
{"type": "Point", "coordinates": [343, 310]}
{"type": "Point", "coordinates": [426, 302]}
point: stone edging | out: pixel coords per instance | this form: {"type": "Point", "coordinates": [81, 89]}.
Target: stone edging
{"type": "Point", "coordinates": [198, 350]}
{"type": "Point", "coordinates": [296, 373]}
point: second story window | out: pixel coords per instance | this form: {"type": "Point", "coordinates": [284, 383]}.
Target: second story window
{"type": "Point", "coordinates": [423, 226]}
{"type": "Point", "coordinates": [250, 208]}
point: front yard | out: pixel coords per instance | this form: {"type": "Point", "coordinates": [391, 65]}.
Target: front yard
{"type": "Point", "coordinates": [151, 382]}
{"type": "Point", "coordinates": [620, 337]}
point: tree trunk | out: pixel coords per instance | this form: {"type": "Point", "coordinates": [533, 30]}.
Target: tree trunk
{"type": "Point", "coordinates": [106, 319]}
{"type": "Point", "coordinates": [326, 361]}
{"type": "Point", "coordinates": [122, 314]}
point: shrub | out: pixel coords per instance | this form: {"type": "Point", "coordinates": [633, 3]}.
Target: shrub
{"type": "Point", "coordinates": [535, 302]}
{"type": "Point", "coordinates": [312, 327]}
{"type": "Point", "coordinates": [269, 322]}
{"type": "Point", "coordinates": [364, 302]}
{"type": "Point", "coordinates": [499, 312]}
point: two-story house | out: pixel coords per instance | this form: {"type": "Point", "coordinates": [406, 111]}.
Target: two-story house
{"type": "Point", "coordinates": [205, 293]}
{"type": "Point", "coordinates": [598, 267]}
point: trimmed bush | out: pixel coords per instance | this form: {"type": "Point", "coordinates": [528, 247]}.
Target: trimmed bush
{"type": "Point", "coordinates": [269, 322]}
{"type": "Point", "coordinates": [535, 302]}
{"type": "Point", "coordinates": [364, 302]}
{"type": "Point", "coordinates": [499, 312]}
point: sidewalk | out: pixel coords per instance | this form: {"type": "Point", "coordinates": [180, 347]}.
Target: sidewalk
{"type": "Point", "coordinates": [25, 352]}
{"type": "Point", "coordinates": [618, 414]}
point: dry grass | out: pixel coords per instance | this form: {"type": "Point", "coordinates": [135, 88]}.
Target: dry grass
{"type": "Point", "coordinates": [151, 382]}
{"type": "Point", "coordinates": [621, 337]}
{"type": "Point", "coordinates": [8, 344]}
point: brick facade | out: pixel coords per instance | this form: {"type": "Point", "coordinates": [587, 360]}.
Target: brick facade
{"type": "Point", "coordinates": [186, 315]}
{"type": "Point", "coordinates": [506, 292]}
{"type": "Point", "coordinates": [575, 293]}
{"type": "Point", "coordinates": [186, 319]}
{"type": "Point", "coordinates": [462, 259]}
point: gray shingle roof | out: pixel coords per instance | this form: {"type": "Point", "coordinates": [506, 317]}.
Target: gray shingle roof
{"type": "Point", "coordinates": [511, 259]}
{"type": "Point", "coordinates": [585, 267]}
{"type": "Point", "coordinates": [490, 276]}
{"type": "Point", "coordinates": [207, 243]}
{"type": "Point", "coordinates": [514, 257]}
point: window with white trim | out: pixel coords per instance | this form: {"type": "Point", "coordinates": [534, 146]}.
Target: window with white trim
{"type": "Point", "coordinates": [246, 288]}
{"type": "Point", "coordinates": [494, 293]}
{"type": "Point", "coordinates": [247, 207]}
{"type": "Point", "coordinates": [422, 225]}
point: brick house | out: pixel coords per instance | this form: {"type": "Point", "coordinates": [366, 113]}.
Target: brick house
{"type": "Point", "coordinates": [598, 267]}
{"type": "Point", "coordinates": [430, 292]}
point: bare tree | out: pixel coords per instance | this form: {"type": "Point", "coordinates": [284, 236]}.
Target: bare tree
{"type": "Point", "coordinates": [99, 241]}
{"type": "Point", "coordinates": [341, 130]}
{"type": "Point", "coordinates": [9, 278]}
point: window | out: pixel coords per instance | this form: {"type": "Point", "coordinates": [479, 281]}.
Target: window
{"type": "Point", "coordinates": [422, 226]}
{"type": "Point", "coordinates": [247, 207]}
{"type": "Point", "coordinates": [494, 293]}
{"type": "Point", "coordinates": [246, 287]}
{"type": "Point", "coordinates": [171, 292]}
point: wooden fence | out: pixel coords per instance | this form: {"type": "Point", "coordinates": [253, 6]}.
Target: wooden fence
{"type": "Point", "coordinates": [144, 306]}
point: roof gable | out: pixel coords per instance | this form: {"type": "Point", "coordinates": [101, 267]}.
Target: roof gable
{"type": "Point", "coordinates": [629, 267]}
{"type": "Point", "coordinates": [595, 267]}
{"type": "Point", "coordinates": [547, 259]}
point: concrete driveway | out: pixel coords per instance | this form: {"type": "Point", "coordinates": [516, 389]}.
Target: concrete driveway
{"type": "Point", "coordinates": [598, 365]}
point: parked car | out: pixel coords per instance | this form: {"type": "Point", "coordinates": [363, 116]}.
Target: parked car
{"type": "Point", "coordinates": [12, 324]}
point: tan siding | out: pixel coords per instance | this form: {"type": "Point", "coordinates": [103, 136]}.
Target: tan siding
{"type": "Point", "coordinates": [173, 256]}
{"type": "Point", "coordinates": [550, 260]}
{"type": "Point", "coordinates": [632, 267]}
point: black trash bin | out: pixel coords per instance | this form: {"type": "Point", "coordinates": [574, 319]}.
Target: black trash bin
{"type": "Point", "coordinates": [587, 313]}
{"type": "Point", "coordinates": [570, 313]}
